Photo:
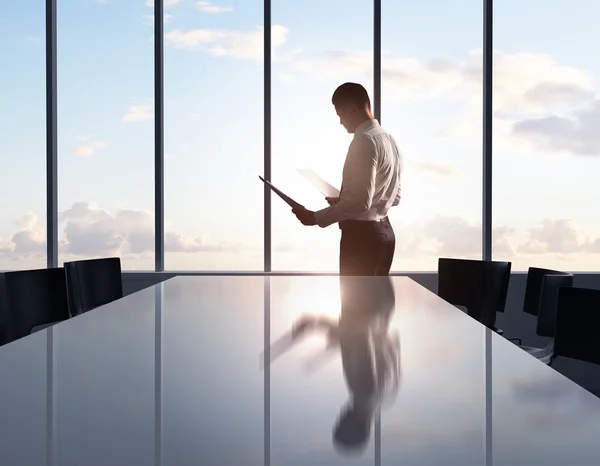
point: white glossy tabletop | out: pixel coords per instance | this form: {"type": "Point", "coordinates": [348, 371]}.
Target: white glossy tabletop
{"type": "Point", "coordinates": [171, 375]}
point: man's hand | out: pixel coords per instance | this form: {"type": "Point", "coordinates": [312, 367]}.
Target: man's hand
{"type": "Point", "coordinates": [307, 217]}
{"type": "Point", "coordinates": [332, 200]}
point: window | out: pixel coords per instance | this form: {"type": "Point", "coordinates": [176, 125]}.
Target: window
{"type": "Point", "coordinates": [23, 136]}
{"type": "Point", "coordinates": [546, 144]}
{"type": "Point", "coordinates": [106, 132]}
{"type": "Point", "coordinates": [320, 46]}
{"type": "Point", "coordinates": [431, 103]}
{"type": "Point", "coordinates": [214, 135]}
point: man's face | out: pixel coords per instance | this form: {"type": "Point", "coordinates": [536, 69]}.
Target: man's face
{"type": "Point", "coordinates": [347, 114]}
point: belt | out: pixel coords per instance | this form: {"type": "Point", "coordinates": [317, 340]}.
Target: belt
{"type": "Point", "coordinates": [345, 223]}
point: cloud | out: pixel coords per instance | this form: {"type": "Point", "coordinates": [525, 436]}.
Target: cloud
{"type": "Point", "coordinates": [439, 169]}
{"type": "Point", "coordinates": [547, 92]}
{"type": "Point", "coordinates": [537, 101]}
{"type": "Point", "coordinates": [555, 236]}
{"type": "Point", "coordinates": [576, 133]}
{"type": "Point", "coordinates": [285, 77]}
{"type": "Point", "coordinates": [139, 113]}
{"type": "Point", "coordinates": [456, 236]}
{"type": "Point", "coordinates": [101, 2]}
{"type": "Point", "coordinates": [336, 64]}
{"type": "Point", "coordinates": [167, 3]}
{"type": "Point", "coordinates": [533, 83]}
{"type": "Point", "coordinates": [288, 247]}
{"type": "Point", "coordinates": [6, 248]}
{"type": "Point", "coordinates": [592, 246]}
{"type": "Point", "coordinates": [91, 231]}
{"type": "Point", "coordinates": [208, 7]}
{"type": "Point", "coordinates": [246, 45]}
{"type": "Point", "coordinates": [149, 19]}
{"type": "Point", "coordinates": [28, 241]}
{"type": "Point", "coordinates": [88, 148]}
{"type": "Point", "coordinates": [27, 221]}
{"type": "Point", "coordinates": [524, 83]}
{"type": "Point", "coordinates": [86, 230]}
{"type": "Point", "coordinates": [178, 242]}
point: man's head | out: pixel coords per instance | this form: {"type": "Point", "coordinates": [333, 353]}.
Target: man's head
{"type": "Point", "coordinates": [352, 104]}
{"type": "Point", "coordinates": [352, 431]}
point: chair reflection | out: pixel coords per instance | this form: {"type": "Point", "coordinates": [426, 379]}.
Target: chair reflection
{"type": "Point", "coordinates": [370, 354]}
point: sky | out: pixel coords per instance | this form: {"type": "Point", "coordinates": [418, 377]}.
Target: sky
{"type": "Point", "coordinates": [546, 146]}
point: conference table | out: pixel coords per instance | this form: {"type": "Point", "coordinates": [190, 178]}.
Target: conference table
{"type": "Point", "coordinates": [172, 375]}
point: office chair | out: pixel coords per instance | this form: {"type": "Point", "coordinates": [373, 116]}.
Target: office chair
{"type": "Point", "coordinates": [577, 333]}
{"type": "Point", "coordinates": [93, 283]}
{"type": "Point", "coordinates": [541, 296]}
{"type": "Point", "coordinates": [480, 286]}
{"type": "Point", "coordinates": [33, 299]}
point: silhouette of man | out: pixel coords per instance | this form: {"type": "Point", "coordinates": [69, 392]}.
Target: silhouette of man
{"type": "Point", "coordinates": [370, 354]}
{"type": "Point", "coordinates": [370, 187]}
{"type": "Point", "coordinates": [370, 358]}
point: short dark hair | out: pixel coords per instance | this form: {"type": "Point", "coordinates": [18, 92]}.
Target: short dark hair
{"type": "Point", "coordinates": [351, 93]}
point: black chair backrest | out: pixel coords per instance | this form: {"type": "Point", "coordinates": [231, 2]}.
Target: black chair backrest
{"type": "Point", "coordinates": [533, 288]}
{"type": "Point", "coordinates": [577, 332]}
{"type": "Point", "coordinates": [32, 298]}
{"type": "Point", "coordinates": [93, 283]}
{"type": "Point", "coordinates": [546, 321]}
{"type": "Point", "coordinates": [480, 286]}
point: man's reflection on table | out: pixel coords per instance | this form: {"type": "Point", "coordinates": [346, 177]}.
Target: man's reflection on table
{"type": "Point", "coordinates": [370, 354]}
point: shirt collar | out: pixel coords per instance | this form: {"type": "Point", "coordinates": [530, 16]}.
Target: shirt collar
{"type": "Point", "coordinates": [366, 125]}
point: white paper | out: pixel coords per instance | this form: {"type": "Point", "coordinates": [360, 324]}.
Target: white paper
{"type": "Point", "coordinates": [323, 186]}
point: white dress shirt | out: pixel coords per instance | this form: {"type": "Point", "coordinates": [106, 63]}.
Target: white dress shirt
{"type": "Point", "coordinates": [370, 180]}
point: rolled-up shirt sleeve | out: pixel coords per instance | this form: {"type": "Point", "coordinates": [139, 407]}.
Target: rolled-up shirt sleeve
{"type": "Point", "coordinates": [359, 178]}
{"type": "Point", "coordinates": [397, 198]}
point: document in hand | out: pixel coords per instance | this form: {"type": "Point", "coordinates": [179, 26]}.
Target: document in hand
{"type": "Point", "coordinates": [326, 189]}
{"type": "Point", "coordinates": [293, 204]}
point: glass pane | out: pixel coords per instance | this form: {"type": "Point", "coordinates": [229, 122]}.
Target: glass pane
{"type": "Point", "coordinates": [546, 144]}
{"type": "Point", "coordinates": [214, 135]}
{"type": "Point", "coordinates": [23, 135]}
{"type": "Point", "coordinates": [431, 103]}
{"type": "Point", "coordinates": [105, 132]}
{"type": "Point", "coordinates": [321, 45]}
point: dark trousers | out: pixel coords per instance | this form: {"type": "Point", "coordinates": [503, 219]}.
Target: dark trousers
{"type": "Point", "coordinates": [366, 248]}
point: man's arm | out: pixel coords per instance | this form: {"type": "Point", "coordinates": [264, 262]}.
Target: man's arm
{"type": "Point", "coordinates": [359, 184]}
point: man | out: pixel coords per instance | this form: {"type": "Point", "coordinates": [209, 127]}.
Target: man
{"type": "Point", "coordinates": [370, 187]}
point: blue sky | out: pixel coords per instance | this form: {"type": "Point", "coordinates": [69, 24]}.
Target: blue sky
{"type": "Point", "coordinates": [545, 153]}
